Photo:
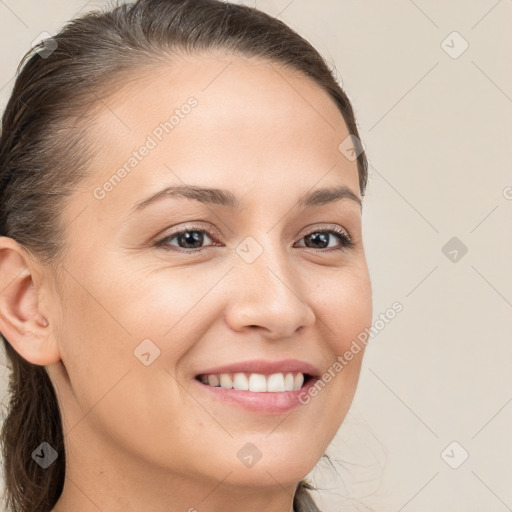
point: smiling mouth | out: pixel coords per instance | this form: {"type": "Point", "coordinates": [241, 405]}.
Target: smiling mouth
{"type": "Point", "coordinates": [257, 382]}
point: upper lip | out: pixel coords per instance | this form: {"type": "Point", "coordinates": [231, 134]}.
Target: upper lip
{"type": "Point", "coordinates": [264, 367]}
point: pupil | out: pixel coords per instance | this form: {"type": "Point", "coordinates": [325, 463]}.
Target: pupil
{"type": "Point", "coordinates": [322, 237]}
{"type": "Point", "coordinates": [187, 238]}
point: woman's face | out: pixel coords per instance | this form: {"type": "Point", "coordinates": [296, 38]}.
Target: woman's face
{"type": "Point", "coordinates": [139, 321]}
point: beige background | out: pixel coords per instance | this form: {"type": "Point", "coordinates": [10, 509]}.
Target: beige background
{"type": "Point", "coordinates": [438, 134]}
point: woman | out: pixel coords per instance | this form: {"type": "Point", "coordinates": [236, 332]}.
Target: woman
{"type": "Point", "coordinates": [181, 261]}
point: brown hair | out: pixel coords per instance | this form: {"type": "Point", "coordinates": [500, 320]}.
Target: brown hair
{"type": "Point", "coordinates": [43, 158]}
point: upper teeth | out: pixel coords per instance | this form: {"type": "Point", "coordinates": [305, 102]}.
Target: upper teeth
{"type": "Point", "coordinates": [257, 382]}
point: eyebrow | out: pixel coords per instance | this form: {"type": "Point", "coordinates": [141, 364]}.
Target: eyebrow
{"type": "Point", "coordinates": [226, 198]}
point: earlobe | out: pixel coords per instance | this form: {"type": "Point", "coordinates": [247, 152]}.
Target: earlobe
{"type": "Point", "coordinates": [21, 322]}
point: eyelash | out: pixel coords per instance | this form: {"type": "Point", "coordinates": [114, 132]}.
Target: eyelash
{"type": "Point", "coordinates": [342, 235]}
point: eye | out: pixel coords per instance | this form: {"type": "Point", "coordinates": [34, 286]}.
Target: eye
{"type": "Point", "coordinates": [322, 238]}
{"type": "Point", "coordinates": [191, 239]}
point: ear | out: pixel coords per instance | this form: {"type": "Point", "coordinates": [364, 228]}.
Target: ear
{"type": "Point", "coordinates": [22, 323]}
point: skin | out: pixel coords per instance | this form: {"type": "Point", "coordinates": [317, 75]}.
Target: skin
{"type": "Point", "coordinates": [268, 135]}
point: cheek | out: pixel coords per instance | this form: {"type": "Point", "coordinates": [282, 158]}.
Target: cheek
{"type": "Point", "coordinates": [96, 345]}
{"type": "Point", "coordinates": [109, 327]}
{"type": "Point", "coordinates": [344, 305]}
{"type": "Point", "coordinates": [112, 390]}
{"type": "Point", "coordinates": [345, 312]}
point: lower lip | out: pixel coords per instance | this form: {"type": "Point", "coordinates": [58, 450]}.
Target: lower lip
{"type": "Point", "coordinates": [264, 402]}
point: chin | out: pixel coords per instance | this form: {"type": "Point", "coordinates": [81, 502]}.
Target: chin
{"type": "Point", "coordinates": [260, 463]}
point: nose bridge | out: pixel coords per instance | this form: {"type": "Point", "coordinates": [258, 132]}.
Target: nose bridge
{"type": "Point", "coordinates": [268, 293]}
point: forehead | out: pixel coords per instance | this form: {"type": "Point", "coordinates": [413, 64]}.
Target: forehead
{"type": "Point", "coordinates": [252, 122]}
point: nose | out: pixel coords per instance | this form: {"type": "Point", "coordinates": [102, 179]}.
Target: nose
{"type": "Point", "coordinates": [269, 296]}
